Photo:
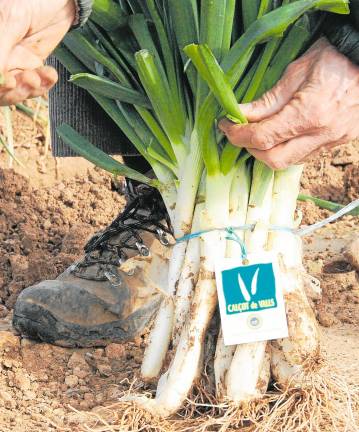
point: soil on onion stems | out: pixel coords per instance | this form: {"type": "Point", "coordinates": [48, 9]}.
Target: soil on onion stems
{"type": "Point", "coordinates": [44, 220]}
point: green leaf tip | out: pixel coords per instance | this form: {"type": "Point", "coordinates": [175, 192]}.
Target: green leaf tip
{"type": "Point", "coordinates": [335, 6]}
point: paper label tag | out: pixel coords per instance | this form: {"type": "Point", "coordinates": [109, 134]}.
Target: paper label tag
{"type": "Point", "coordinates": [251, 299]}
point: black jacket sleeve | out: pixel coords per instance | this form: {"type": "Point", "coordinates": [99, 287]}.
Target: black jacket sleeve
{"type": "Point", "coordinates": [343, 32]}
{"type": "Point", "coordinates": [74, 106]}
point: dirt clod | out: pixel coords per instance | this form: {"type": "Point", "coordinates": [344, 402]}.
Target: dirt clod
{"type": "Point", "coordinates": [22, 380]}
{"type": "Point", "coordinates": [71, 381]}
{"type": "Point", "coordinates": [8, 341]}
{"type": "Point", "coordinates": [351, 253]}
{"type": "Point", "coordinates": [115, 351]}
{"type": "Point", "coordinates": [77, 359]}
{"type": "Point", "coordinates": [325, 318]}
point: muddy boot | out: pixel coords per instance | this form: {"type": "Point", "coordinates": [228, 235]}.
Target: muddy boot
{"type": "Point", "coordinates": [94, 302]}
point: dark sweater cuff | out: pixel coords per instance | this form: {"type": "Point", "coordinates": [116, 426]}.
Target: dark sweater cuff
{"type": "Point", "coordinates": [341, 33]}
{"type": "Point", "coordinates": [83, 11]}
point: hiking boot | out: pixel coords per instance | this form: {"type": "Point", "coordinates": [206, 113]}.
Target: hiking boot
{"type": "Point", "coordinates": [113, 292]}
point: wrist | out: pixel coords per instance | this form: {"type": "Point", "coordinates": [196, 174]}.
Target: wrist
{"type": "Point", "coordinates": [83, 11]}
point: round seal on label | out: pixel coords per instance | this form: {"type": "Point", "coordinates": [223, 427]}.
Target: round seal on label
{"type": "Point", "coordinates": [254, 322]}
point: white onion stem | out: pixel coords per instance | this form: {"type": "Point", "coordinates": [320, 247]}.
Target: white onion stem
{"type": "Point", "coordinates": [222, 361]}
{"type": "Point", "coordinates": [160, 335]}
{"type": "Point", "coordinates": [188, 278]}
{"type": "Point", "coordinates": [249, 373]}
{"type": "Point", "coordinates": [238, 203]}
{"type": "Point", "coordinates": [303, 340]}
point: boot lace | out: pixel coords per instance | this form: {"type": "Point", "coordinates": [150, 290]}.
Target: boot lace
{"type": "Point", "coordinates": [145, 212]}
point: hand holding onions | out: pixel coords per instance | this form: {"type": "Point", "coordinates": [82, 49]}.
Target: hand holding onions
{"type": "Point", "coordinates": [313, 106]}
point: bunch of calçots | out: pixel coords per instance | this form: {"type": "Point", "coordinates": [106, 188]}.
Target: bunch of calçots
{"type": "Point", "coordinates": [165, 71]}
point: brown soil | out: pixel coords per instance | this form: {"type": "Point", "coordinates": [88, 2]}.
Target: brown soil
{"type": "Point", "coordinates": [45, 219]}
{"type": "Point", "coordinates": [43, 230]}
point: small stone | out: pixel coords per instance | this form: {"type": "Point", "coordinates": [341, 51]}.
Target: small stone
{"type": "Point", "coordinates": [314, 267]}
{"type": "Point", "coordinates": [98, 353]}
{"type": "Point", "coordinates": [7, 400]}
{"type": "Point", "coordinates": [8, 340]}
{"type": "Point", "coordinates": [37, 417]}
{"type": "Point", "coordinates": [5, 396]}
{"type": "Point", "coordinates": [84, 389]}
{"type": "Point", "coordinates": [91, 360]}
{"type": "Point", "coordinates": [47, 224]}
{"type": "Point", "coordinates": [25, 343]}
{"type": "Point", "coordinates": [99, 397]}
{"type": "Point", "coordinates": [115, 351]}
{"type": "Point", "coordinates": [72, 393]}
{"type": "Point", "coordinates": [11, 375]}
{"type": "Point", "coordinates": [76, 360]}
{"type": "Point", "coordinates": [71, 381]}
{"type": "Point", "coordinates": [42, 377]}
{"type": "Point", "coordinates": [22, 381]}
{"type": "Point", "coordinates": [81, 372]}
{"type": "Point", "coordinates": [104, 370]}
{"type": "Point", "coordinates": [58, 414]}
{"type": "Point", "coordinates": [325, 318]}
{"type": "Point", "coordinates": [138, 341]}
{"type": "Point", "coordinates": [84, 405]}
{"type": "Point", "coordinates": [3, 311]}
{"type": "Point", "coordinates": [12, 362]}
{"type": "Point", "coordinates": [29, 395]}
{"type": "Point", "coordinates": [7, 363]}
{"type": "Point", "coordinates": [89, 397]}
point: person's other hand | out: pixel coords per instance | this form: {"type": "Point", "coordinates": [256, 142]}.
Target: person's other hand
{"type": "Point", "coordinates": [29, 31]}
{"type": "Point", "coordinates": [314, 105]}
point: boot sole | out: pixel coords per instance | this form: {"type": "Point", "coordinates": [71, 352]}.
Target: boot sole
{"type": "Point", "coordinates": [46, 327]}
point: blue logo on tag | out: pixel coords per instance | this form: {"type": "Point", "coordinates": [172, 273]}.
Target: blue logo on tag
{"type": "Point", "coordinates": [249, 288]}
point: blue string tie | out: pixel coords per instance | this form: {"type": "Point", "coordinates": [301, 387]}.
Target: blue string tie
{"type": "Point", "coordinates": [232, 235]}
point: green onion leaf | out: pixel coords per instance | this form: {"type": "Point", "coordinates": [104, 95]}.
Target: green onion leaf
{"type": "Point", "coordinates": [83, 147]}
{"type": "Point", "coordinates": [327, 205]}
{"type": "Point", "coordinates": [108, 14]}
{"type": "Point", "coordinates": [110, 89]}
{"type": "Point", "coordinates": [211, 72]}
{"type": "Point", "coordinates": [273, 24]}
{"type": "Point", "coordinates": [88, 54]}
{"type": "Point", "coordinates": [250, 10]}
